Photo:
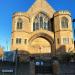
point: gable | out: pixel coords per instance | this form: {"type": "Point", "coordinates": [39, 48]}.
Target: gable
{"type": "Point", "coordinates": [39, 6]}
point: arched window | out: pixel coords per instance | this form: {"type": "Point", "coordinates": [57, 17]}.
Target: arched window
{"type": "Point", "coordinates": [41, 22]}
{"type": "Point", "coordinates": [19, 23]}
{"type": "Point", "coordinates": [64, 22]}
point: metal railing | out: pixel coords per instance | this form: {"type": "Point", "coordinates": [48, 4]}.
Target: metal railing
{"type": "Point", "coordinates": [15, 67]}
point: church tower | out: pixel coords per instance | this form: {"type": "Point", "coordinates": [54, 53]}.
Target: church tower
{"type": "Point", "coordinates": [63, 31]}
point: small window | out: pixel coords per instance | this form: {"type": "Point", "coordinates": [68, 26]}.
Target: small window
{"type": "Point", "coordinates": [64, 22]}
{"type": "Point", "coordinates": [58, 41]}
{"type": "Point", "coordinates": [65, 40]}
{"type": "Point", "coordinates": [25, 41]}
{"type": "Point", "coordinates": [37, 26]}
{"type": "Point", "coordinates": [18, 40]}
{"type": "Point", "coordinates": [19, 24]}
{"type": "Point", "coordinates": [34, 26]}
{"type": "Point", "coordinates": [41, 22]}
{"type": "Point", "coordinates": [12, 41]}
{"type": "Point", "coordinates": [45, 25]}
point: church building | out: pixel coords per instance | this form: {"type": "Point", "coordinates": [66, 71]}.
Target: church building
{"type": "Point", "coordinates": [42, 30]}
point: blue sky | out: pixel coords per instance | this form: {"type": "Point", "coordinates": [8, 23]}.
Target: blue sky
{"type": "Point", "coordinates": [8, 7]}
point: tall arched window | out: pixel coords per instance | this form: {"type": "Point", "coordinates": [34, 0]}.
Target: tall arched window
{"type": "Point", "coordinates": [19, 23]}
{"type": "Point", "coordinates": [64, 22]}
{"type": "Point", "coordinates": [41, 22]}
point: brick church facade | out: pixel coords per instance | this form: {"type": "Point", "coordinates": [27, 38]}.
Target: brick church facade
{"type": "Point", "coordinates": [42, 30]}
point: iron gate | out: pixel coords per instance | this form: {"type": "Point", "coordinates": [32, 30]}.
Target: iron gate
{"type": "Point", "coordinates": [43, 67]}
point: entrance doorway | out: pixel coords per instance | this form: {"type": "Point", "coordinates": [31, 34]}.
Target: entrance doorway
{"type": "Point", "coordinates": [41, 45]}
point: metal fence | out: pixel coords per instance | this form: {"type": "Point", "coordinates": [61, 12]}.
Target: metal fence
{"type": "Point", "coordinates": [67, 68]}
{"type": "Point", "coordinates": [10, 65]}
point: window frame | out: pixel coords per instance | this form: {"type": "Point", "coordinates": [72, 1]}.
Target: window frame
{"type": "Point", "coordinates": [64, 22]}
{"type": "Point", "coordinates": [65, 40]}
{"type": "Point", "coordinates": [19, 24]}
{"type": "Point", "coordinates": [58, 40]}
{"type": "Point", "coordinates": [18, 40]}
{"type": "Point", "coordinates": [25, 41]}
{"type": "Point", "coordinates": [41, 24]}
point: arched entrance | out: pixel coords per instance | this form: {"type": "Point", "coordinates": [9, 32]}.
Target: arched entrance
{"type": "Point", "coordinates": [41, 43]}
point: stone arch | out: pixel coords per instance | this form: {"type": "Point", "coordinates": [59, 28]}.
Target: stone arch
{"type": "Point", "coordinates": [44, 36]}
{"type": "Point", "coordinates": [43, 12]}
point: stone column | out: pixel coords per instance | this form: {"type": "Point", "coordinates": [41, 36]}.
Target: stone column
{"type": "Point", "coordinates": [32, 68]}
{"type": "Point", "coordinates": [56, 67]}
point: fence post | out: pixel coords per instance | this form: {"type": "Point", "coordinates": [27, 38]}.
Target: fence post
{"type": "Point", "coordinates": [56, 67]}
{"type": "Point", "coordinates": [32, 68]}
{"type": "Point", "coordinates": [16, 61]}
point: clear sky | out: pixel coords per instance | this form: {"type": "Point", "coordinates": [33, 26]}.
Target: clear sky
{"type": "Point", "coordinates": [8, 7]}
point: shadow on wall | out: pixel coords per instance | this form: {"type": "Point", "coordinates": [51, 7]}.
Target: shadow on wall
{"type": "Point", "coordinates": [61, 49]}
{"type": "Point", "coordinates": [24, 55]}
{"type": "Point", "coordinates": [22, 52]}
